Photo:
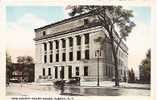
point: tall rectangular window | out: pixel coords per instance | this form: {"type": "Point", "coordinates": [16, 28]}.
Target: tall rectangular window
{"type": "Point", "coordinates": [71, 56]}
{"type": "Point", "coordinates": [62, 72]}
{"type": "Point", "coordinates": [70, 41]}
{"type": "Point", "coordinates": [78, 55]}
{"type": "Point", "coordinates": [51, 45]}
{"type": "Point", "coordinates": [85, 70]}
{"type": "Point", "coordinates": [45, 47]}
{"type": "Point", "coordinates": [43, 71]}
{"type": "Point", "coordinates": [78, 40]}
{"type": "Point", "coordinates": [77, 71]}
{"type": "Point", "coordinates": [49, 71]}
{"type": "Point", "coordinates": [57, 44]}
{"type": "Point", "coordinates": [86, 54]}
{"type": "Point", "coordinates": [70, 72]}
{"type": "Point", "coordinates": [64, 57]}
{"type": "Point", "coordinates": [51, 58]}
{"type": "Point", "coordinates": [57, 57]}
{"type": "Point", "coordinates": [56, 72]}
{"type": "Point", "coordinates": [44, 33]}
{"type": "Point", "coordinates": [86, 38]}
{"type": "Point", "coordinates": [63, 43]}
{"type": "Point", "coordinates": [45, 58]}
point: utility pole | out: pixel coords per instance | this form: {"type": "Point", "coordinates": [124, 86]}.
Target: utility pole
{"type": "Point", "coordinates": [98, 53]}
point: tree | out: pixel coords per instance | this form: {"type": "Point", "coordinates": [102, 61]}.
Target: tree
{"type": "Point", "coordinates": [115, 20]}
{"type": "Point", "coordinates": [146, 67]}
{"type": "Point", "coordinates": [24, 59]}
{"type": "Point", "coordinates": [131, 75]}
{"type": "Point", "coordinates": [9, 68]}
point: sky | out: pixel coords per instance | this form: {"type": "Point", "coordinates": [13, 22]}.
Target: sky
{"type": "Point", "coordinates": [22, 20]}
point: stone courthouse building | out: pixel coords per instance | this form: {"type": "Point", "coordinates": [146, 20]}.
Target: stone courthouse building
{"type": "Point", "coordinates": [68, 49]}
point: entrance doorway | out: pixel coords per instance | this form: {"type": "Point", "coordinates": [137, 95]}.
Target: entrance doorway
{"type": "Point", "coordinates": [62, 72]}
{"type": "Point", "coordinates": [70, 72]}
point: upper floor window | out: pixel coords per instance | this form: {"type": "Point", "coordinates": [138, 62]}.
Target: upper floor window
{"type": "Point", "coordinates": [78, 40]}
{"type": "Point", "coordinates": [49, 71]}
{"type": "Point", "coordinates": [64, 57]}
{"type": "Point", "coordinates": [51, 45]}
{"type": "Point", "coordinates": [45, 58]}
{"type": "Point", "coordinates": [86, 54]}
{"type": "Point", "coordinates": [57, 57]}
{"type": "Point", "coordinates": [70, 41]}
{"type": "Point", "coordinates": [86, 21]}
{"type": "Point", "coordinates": [78, 55]}
{"type": "Point", "coordinates": [71, 56]}
{"type": "Point", "coordinates": [51, 58]}
{"type": "Point", "coordinates": [86, 38]}
{"type": "Point", "coordinates": [44, 33]}
{"type": "Point", "coordinates": [57, 44]}
{"type": "Point", "coordinates": [63, 43]}
{"type": "Point", "coordinates": [45, 47]}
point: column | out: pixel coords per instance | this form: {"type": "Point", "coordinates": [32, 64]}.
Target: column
{"type": "Point", "coordinates": [82, 47]}
{"type": "Point", "coordinates": [60, 50]}
{"type": "Point", "coordinates": [66, 72]}
{"type": "Point", "coordinates": [67, 49]}
{"type": "Point", "coordinates": [75, 48]}
{"type": "Point", "coordinates": [54, 51]}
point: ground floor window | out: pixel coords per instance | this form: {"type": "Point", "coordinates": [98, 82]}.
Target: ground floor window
{"type": "Point", "coordinates": [70, 72]}
{"type": "Point", "coordinates": [43, 71]}
{"type": "Point", "coordinates": [62, 72]}
{"type": "Point", "coordinates": [77, 71]}
{"type": "Point", "coordinates": [86, 71]}
{"type": "Point", "coordinates": [56, 72]}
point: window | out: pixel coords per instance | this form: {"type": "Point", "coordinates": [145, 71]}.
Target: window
{"type": "Point", "coordinates": [70, 41]}
{"type": "Point", "coordinates": [63, 43]}
{"type": "Point", "coordinates": [44, 33]}
{"type": "Point", "coordinates": [56, 72]}
{"type": "Point", "coordinates": [45, 47]}
{"type": "Point", "coordinates": [51, 45]}
{"type": "Point", "coordinates": [78, 40]}
{"type": "Point", "coordinates": [106, 70]}
{"type": "Point", "coordinates": [62, 72]}
{"type": "Point", "coordinates": [57, 44]}
{"type": "Point", "coordinates": [43, 71]}
{"type": "Point", "coordinates": [70, 72]}
{"type": "Point", "coordinates": [45, 58]}
{"type": "Point", "coordinates": [77, 71]}
{"type": "Point", "coordinates": [78, 55]}
{"type": "Point", "coordinates": [86, 54]}
{"type": "Point", "coordinates": [64, 57]}
{"type": "Point", "coordinates": [86, 38]}
{"type": "Point", "coordinates": [49, 71]}
{"type": "Point", "coordinates": [86, 21]}
{"type": "Point", "coordinates": [86, 71]}
{"type": "Point", "coordinates": [51, 58]}
{"type": "Point", "coordinates": [71, 56]}
{"type": "Point", "coordinates": [57, 57]}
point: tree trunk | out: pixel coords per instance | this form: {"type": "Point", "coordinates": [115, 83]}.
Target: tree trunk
{"type": "Point", "coordinates": [116, 71]}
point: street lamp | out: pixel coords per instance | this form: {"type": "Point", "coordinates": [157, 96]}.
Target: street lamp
{"type": "Point", "coordinates": [97, 54]}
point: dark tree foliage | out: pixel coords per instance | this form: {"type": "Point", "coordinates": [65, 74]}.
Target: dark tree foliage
{"type": "Point", "coordinates": [131, 75]}
{"type": "Point", "coordinates": [24, 59]}
{"type": "Point", "coordinates": [146, 68]}
{"type": "Point", "coordinates": [117, 22]}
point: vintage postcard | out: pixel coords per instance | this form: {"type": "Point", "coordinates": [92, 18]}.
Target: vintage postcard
{"type": "Point", "coordinates": [57, 51]}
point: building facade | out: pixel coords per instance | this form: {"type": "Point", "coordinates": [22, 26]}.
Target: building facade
{"type": "Point", "coordinates": [68, 49]}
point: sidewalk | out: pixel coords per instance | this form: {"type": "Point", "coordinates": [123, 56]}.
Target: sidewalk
{"type": "Point", "coordinates": [112, 85]}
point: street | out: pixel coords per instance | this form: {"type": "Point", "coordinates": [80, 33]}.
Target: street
{"type": "Point", "coordinates": [34, 89]}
